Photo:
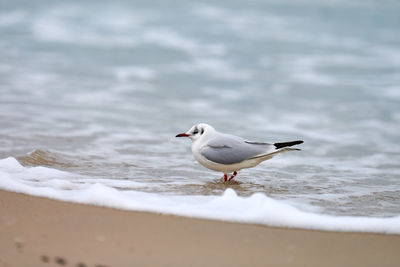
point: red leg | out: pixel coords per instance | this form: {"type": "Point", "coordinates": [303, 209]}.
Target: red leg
{"type": "Point", "coordinates": [233, 175]}
{"type": "Point", "coordinates": [225, 177]}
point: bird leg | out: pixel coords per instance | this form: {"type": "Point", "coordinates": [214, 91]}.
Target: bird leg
{"type": "Point", "coordinates": [225, 177]}
{"type": "Point", "coordinates": [233, 175]}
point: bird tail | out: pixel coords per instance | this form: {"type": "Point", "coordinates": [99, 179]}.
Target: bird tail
{"type": "Point", "coordinates": [278, 146]}
{"type": "Point", "coordinates": [286, 144]}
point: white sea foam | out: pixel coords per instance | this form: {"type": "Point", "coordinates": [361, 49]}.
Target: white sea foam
{"type": "Point", "coordinates": [58, 26]}
{"type": "Point", "coordinates": [172, 39]}
{"type": "Point", "coordinates": [216, 67]}
{"type": "Point", "coordinates": [256, 209]}
{"type": "Point", "coordinates": [125, 73]}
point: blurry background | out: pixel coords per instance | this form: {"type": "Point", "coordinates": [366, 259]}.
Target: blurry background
{"type": "Point", "coordinates": [100, 88]}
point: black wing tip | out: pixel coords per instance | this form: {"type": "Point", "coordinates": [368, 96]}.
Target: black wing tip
{"type": "Point", "coordinates": [286, 144]}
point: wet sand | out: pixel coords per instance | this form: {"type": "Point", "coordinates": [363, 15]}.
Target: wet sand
{"type": "Point", "coordinates": [42, 232]}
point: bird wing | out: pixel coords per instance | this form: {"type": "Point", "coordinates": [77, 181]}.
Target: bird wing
{"type": "Point", "coordinates": [229, 149]}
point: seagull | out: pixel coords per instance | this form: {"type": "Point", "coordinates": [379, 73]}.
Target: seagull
{"type": "Point", "coordinates": [227, 153]}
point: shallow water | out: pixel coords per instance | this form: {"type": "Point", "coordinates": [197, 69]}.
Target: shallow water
{"type": "Point", "coordinates": [99, 90]}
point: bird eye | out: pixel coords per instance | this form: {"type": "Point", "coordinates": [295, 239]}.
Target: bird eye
{"type": "Point", "coordinates": [196, 132]}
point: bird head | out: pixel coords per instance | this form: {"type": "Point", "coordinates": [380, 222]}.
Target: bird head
{"type": "Point", "coordinates": [197, 131]}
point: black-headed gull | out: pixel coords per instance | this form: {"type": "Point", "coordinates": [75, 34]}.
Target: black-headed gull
{"type": "Point", "coordinates": [228, 153]}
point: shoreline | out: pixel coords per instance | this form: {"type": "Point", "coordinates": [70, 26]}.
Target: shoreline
{"type": "Point", "coordinates": [38, 231]}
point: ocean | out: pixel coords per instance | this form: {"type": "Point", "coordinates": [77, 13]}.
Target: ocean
{"type": "Point", "coordinates": [93, 93]}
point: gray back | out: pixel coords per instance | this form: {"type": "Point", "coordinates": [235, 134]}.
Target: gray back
{"type": "Point", "coordinates": [229, 149]}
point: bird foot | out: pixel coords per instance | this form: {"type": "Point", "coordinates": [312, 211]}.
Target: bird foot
{"type": "Point", "coordinates": [233, 176]}
{"type": "Point", "coordinates": [230, 178]}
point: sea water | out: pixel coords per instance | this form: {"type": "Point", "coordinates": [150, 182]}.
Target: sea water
{"type": "Point", "coordinates": [92, 94]}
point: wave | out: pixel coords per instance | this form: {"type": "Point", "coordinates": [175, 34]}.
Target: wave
{"type": "Point", "coordinates": [255, 209]}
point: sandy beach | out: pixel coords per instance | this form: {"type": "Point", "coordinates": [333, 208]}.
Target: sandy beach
{"type": "Point", "coordinates": [43, 232]}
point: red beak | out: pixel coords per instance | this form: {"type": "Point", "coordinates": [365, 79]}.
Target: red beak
{"type": "Point", "coordinates": [182, 135]}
